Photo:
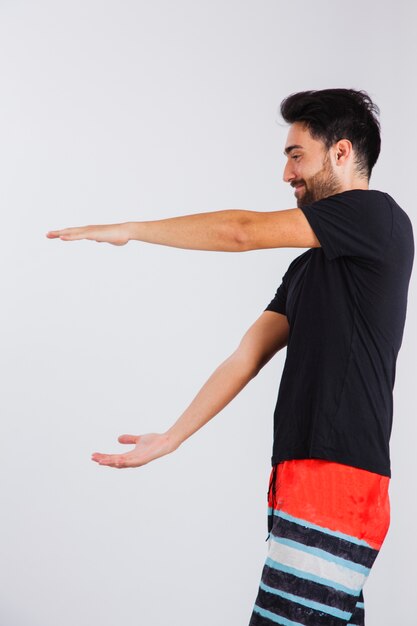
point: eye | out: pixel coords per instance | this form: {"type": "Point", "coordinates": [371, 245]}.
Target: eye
{"type": "Point", "coordinates": [295, 156]}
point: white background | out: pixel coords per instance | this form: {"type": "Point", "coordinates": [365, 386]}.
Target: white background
{"type": "Point", "coordinates": [116, 111]}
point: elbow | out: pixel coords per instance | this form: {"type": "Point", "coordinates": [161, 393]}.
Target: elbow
{"type": "Point", "coordinates": [242, 232]}
{"type": "Point", "coordinates": [245, 365]}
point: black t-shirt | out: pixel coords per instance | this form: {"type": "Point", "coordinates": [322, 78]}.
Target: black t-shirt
{"type": "Point", "coordinates": [346, 307]}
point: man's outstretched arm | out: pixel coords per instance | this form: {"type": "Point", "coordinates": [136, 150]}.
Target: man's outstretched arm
{"type": "Point", "coordinates": [230, 230]}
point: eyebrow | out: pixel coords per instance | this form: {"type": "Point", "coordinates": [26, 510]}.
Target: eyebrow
{"type": "Point", "coordinates": [288, 150]}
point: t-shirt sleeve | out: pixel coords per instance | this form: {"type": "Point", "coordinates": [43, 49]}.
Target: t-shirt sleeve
{"type": "Point", "coordinates": [278, 302]}
{"type": "Point", "coordinates": [352, 223]}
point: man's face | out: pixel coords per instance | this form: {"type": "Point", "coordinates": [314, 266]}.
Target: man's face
{"type": "Point", "coordinates": [309, 168]}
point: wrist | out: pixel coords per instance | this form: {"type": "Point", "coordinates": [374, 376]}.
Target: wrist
{"type": "Point", "coordinates": [129, 229]}
{"type": "Point", "coordinates": [173, 441]}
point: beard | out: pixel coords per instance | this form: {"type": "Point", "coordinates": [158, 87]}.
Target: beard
{"type": "Point", "coordinates": [322, 185]}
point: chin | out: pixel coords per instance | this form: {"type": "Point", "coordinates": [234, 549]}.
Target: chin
{"type": "Point", "coordinates": [309, 198]}
{"type": "Point", "coordinates": [303, 202]}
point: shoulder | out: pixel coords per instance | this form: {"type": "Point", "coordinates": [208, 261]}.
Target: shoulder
{"type": "Point", "coordinates": [360, 196]}
{"type": "Point", "coordinates": [362, 204]}
{"type": "Point", "coordinates": [397, 210]}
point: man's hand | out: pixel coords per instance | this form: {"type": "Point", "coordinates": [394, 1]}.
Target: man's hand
{"type": "Point", "coordinates": [147, 448]}
{"type": "Point", "coordinates": [117, 234]}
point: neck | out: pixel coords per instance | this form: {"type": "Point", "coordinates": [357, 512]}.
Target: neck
{"type": "Point", "coordinates": [355, 182]}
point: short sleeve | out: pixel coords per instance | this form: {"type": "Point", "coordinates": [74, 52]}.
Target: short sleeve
{"type": "Point", "coordinates": [278, 302]}
{"type": "Point", "coordinates": [357, 222]}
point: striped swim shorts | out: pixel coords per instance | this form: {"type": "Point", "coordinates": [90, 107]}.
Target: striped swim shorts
{"type": "Point", "coordinates": [327, 522]}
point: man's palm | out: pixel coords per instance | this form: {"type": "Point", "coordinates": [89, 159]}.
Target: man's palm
{"type": "Point", "coordinates": [147, 448]}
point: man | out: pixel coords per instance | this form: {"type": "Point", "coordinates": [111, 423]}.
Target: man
{"type": "Point", "coordinates": [340, 310]}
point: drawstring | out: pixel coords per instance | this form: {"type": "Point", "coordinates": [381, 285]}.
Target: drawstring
{"type": "Point", "coordinates": [273, 485]}
{"type": "Point", "coordinates": [272, 491]}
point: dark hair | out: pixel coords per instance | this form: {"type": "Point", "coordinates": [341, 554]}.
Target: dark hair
{"type": "Point", "coordinates": [334, 114]}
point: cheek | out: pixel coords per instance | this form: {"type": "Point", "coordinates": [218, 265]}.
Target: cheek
{"type": "Point", "coordinates": [310, 174]}
{"type": "Point", "coordinates": [304, 170]}
{"type": "Point", "coordinates": [298, 172]}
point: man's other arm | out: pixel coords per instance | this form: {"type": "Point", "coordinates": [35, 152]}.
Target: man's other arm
{"type": "Point", "coordinates": [267, 335]}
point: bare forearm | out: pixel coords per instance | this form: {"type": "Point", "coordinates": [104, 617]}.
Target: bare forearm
{"type": "Point", "coordinates": [223, 385]}
{"type": "Point", "coordinates": [217, 230]}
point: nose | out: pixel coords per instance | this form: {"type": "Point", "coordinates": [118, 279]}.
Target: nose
{"type": "Point", "coordinates": [288, 174]}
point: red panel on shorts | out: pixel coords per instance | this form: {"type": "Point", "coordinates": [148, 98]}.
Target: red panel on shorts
{"type": "Point", "coordinates": [340, 497]}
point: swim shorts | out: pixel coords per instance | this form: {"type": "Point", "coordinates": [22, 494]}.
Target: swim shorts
{"type": "Point", "coordinates": [327, 522]}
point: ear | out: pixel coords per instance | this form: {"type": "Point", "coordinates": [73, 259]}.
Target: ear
{"type": "Point", "coordinates": [342, 151]}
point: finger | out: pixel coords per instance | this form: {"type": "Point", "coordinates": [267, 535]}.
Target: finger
{"type": "Point", "coordinates": [96, 456]}
{"type": "Point", "coordinates": [111, 460]}
{"type": "Point", "coordinates": [72, 234]}
{"type": "Point", "coordinates": [132, 439]}
{"type": "Point", "coordinates": [128, 459]}
{"type": "Point", "coordinates": [62, 232]}
{"type": "Point", "coordinates": [75, 234]}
